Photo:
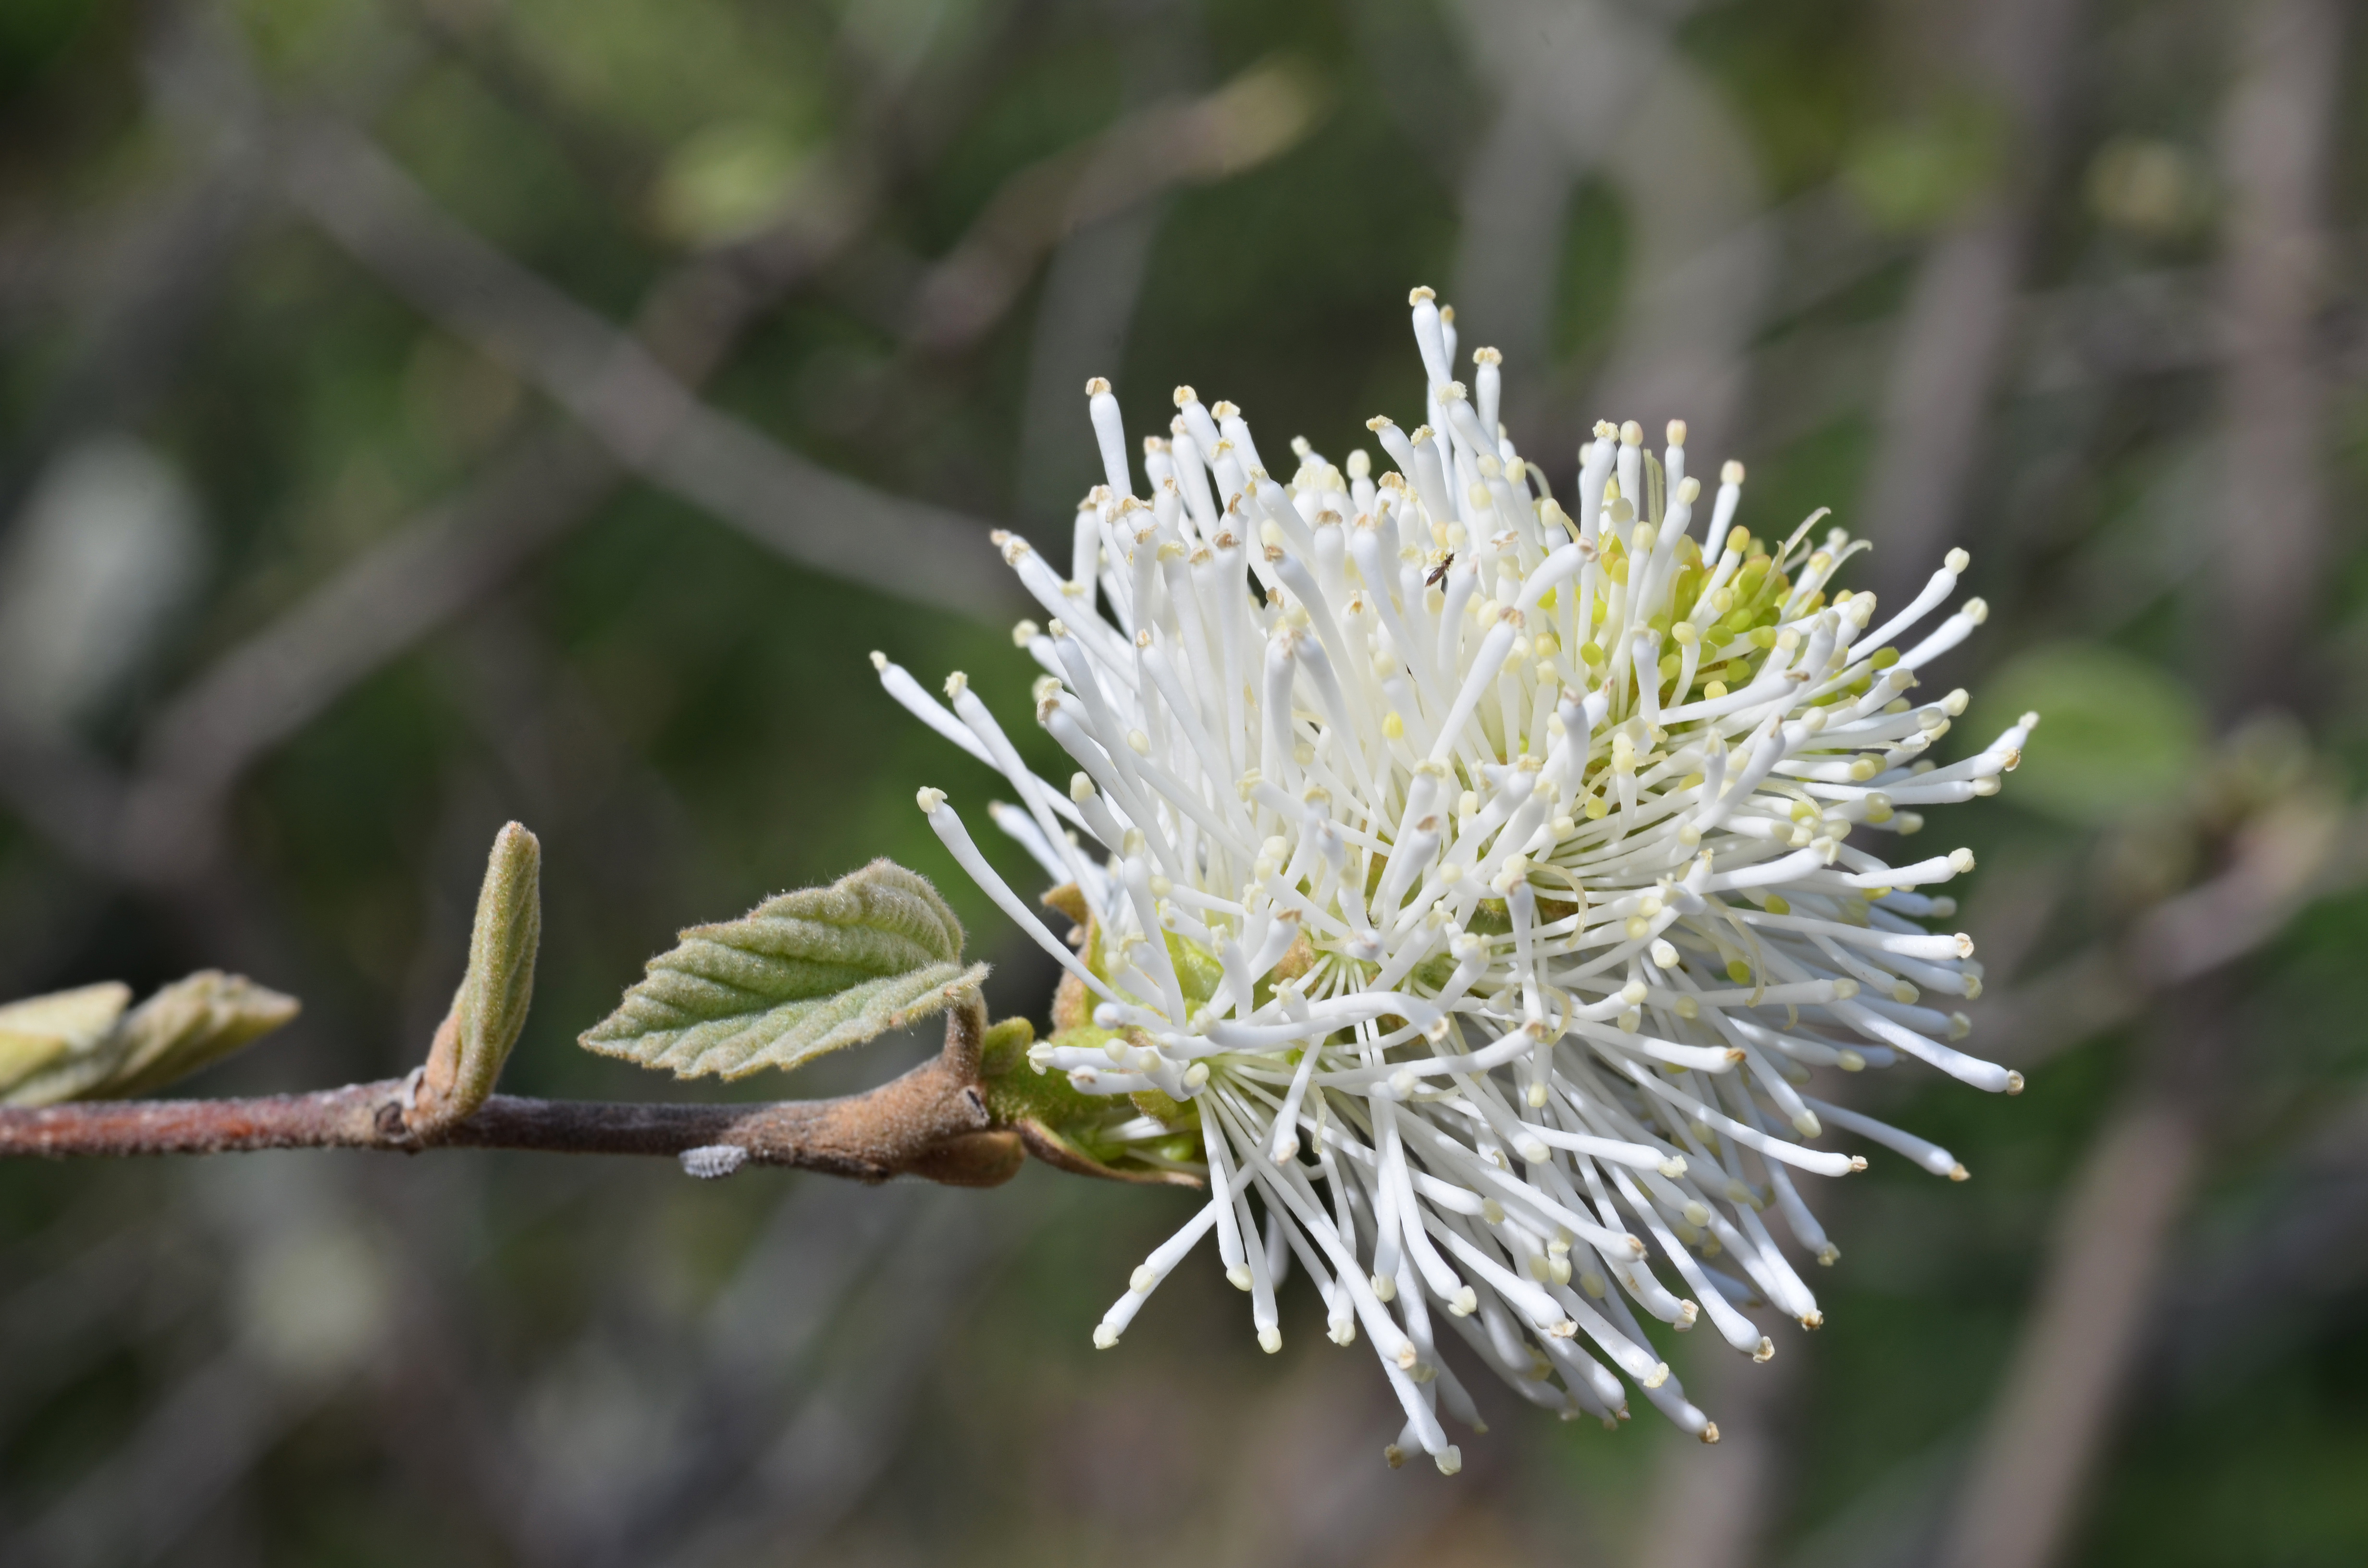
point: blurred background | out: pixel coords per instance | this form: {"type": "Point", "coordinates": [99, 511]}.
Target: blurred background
{"type": "Point", "coordinates": [416, 414]}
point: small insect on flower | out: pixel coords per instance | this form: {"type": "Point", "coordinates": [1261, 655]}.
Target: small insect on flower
{"type": "Point", "coordinates": [1488, 940]}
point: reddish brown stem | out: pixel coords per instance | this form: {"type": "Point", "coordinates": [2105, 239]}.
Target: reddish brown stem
{"type": "Point", "coordinates": [932, 1122]}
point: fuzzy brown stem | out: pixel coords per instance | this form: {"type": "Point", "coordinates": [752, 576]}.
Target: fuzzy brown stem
{"type": "Point", "coordinates": [932, 1123]}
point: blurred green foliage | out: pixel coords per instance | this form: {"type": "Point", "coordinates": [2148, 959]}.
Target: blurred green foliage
{"type": "Point", "coordinates": [2122, 738]}
{"type": "Point", "coordinates": [1918, 174]}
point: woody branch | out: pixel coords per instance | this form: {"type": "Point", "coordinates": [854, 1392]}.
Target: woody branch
{"type": "Point", "coordinates": [932, 1123]}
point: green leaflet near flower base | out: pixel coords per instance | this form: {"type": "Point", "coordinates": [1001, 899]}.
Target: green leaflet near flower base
{"type": "Point", "coordinates": [800, 975]}
{"type": "Point", "coordinates": [1073, 1131]}
{"type": "Point", "coordinates": [1076, 1132]}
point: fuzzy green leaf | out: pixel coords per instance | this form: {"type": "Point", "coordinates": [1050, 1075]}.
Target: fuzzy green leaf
{"type": "Point", "coordinates": [190, 1023]}
{"type": "Point", "coordinates": [491, 1006]}
{"type": "Point", "coordinates": [80, 1045]}
{"type": "Point", "coordinates": [55, 1047]}
{"type": "Point", "coordinates": [800, 975]}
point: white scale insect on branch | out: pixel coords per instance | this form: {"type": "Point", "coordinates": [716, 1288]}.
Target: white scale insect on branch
{"type": "Point", "coordinates": [1478, 884]}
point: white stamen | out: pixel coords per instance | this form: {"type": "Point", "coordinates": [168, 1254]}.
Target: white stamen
{"type": "Point", "coordinates": [1441, 844]}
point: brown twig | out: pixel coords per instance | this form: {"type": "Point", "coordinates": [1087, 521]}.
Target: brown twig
{"type": "Point", "coordinates": [932, 1122]}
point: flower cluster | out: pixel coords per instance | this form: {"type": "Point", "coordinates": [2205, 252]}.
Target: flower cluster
{"type": "Point", "coordinates": [1478, 884]}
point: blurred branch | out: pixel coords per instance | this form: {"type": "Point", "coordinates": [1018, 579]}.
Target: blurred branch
{"type": "Point", "coordinates": [843, 1433]}
{"type": "Point", "coordinates": [199, 1438]}
{"type": "Point", "coordinates": [2056, 1416]}
{"type": "Point", "coordinates": [2245, 1298]}
{"type": "Point", "coordinates": [271, 686]}
{"type": "Point", "coordinates": [1568, 79]}
{"type": "Point", "coordinates": [620, 392]}
{"type": "Point", "coordinates": [2068, 1368]}
{"type": "Point", "coordinates": [161, 827]}
{"type": "Point", "coordinates": [1952, 340]}
{"type": "Point", "coordinates": [481, 39]}
{"type": "Point", "coordinates": [1718, 1508]}
{"type": "Point", "coordinates": [2275, 149]}
{"type": "Point", "coordinates": [64, 1317]}
{"type": "Point", "coordinates": [1084, 310]}
{"type": "Point", "coordinates": [1257, 115]}
{"type": "Point", "coordinates": [2301, 850]}
{"type": "Point", "coordinates": [759, 1347]}
{"type": "Point", "coordinates": [932, 1122]}
{"type": "Point", "coordinates": [1593, 87]}
{"type": "Point", "coordinates": [70, 797]}
{"type": "Point", "coordinates": [156, 281]}
{"type": "Point", "coordinates": [1099, 256]}
{"type": "Point", "coordinates": [2225, 1311]}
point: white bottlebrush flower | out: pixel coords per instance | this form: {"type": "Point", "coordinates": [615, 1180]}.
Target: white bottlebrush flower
{"type": "Point", "coordinates": [1479, 884]}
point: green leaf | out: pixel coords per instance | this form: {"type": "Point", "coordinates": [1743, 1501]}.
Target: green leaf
{"type": "Point", "coordinates": [2120, 735]}
{"type": "Point", "coordinates": [190, 1023]}
{"type": "Point", "coordinates": [81, 1044]}
{"type": "Point", "coordinates": [800, 975]}
{"type": "Point", "coordinates": [1070, 1130]}
{"type": "Point", "coordinates": [491, 1006]}
{"type": "Point", "coordinates": [54, 1047]}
